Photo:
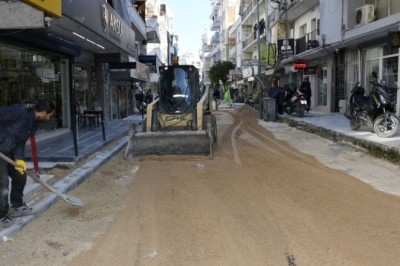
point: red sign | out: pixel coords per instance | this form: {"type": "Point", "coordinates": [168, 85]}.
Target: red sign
{"type": "Point", "coordinates": [300, 65]}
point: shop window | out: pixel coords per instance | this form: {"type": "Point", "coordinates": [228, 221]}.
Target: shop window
{"type": "Point", "coordinates": [390, 72]}
{"type": "Point", "coordinates": [322, 80]}
{"type": "Point", "coordinates": [353, 68]}
{"type": "Point", "coordinates": [27, 76]}
{"type": "Point", "coordinates": [81, 87]}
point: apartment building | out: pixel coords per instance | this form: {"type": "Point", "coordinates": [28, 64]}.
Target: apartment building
{"type": "Point", "coordinates": [216, 42]}
{"type": "Point", "coordinates": [334, 43]}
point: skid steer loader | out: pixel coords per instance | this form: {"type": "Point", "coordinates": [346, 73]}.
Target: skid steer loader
{"type": "Point", "coordinates": [179, 121]}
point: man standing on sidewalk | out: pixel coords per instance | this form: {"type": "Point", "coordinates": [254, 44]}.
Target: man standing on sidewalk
{"type": "Point", "coordinates": [17, 123]}
{"type": "Point", "coordinates": [306, 89]}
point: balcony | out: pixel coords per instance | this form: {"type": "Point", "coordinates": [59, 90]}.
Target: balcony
{"type": "Point", "coordinates": [216, 24]}
{"type": "Point", "coordinates": [250, 68]}
{"type": "Point", "coordinates": [152, 31]}
{"type": "Point", "coordinates": [307, 42]}
{"type": "Point", "coordinates": [232, 31]}
{"type": "Point", "coordinates": [249, 9]}
{"type": "Point", "coordinates": [250, 40]}
{"type": "Point", "coordinates": [137, 24]}
{"type": "Point", "coordinates": [295, 8]}
{"type": "Point", "coordinates": [215, 39]}
{"type": "Point", "coordinates": [207, 48]}
{"type": "Point", "coordinates": [232, 51]}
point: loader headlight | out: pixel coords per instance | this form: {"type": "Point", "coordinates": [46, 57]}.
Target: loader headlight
{"type": "Point", "coordinates": [179, 96]}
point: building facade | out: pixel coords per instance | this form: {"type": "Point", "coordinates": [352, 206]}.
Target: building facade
{"type": "Point", "coordinates": [335, 44]}
{"type": "Point", "coordinates": [83, 58]}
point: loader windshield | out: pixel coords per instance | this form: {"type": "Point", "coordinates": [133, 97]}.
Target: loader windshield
{"type": "Point", "coordinates": [177, 89]}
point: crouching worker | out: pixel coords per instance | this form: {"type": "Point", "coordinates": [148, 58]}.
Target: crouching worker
{"type": "Point", "coordinates": [17, 123]}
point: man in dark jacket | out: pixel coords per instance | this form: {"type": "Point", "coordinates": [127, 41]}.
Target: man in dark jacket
{"type": "Point", "coordinates": [17, 123]}
{"type": "Point", "coordinates": [217, 98]}
{"type": "Point", "coordinates": [306, 89]}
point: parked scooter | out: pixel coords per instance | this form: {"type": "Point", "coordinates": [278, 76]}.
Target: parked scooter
{"type": "Point", "coordinates": [295, 102]}
{"type": "Point", "coordinates": [377, 110]}
{"type": "Point", "coordinates": [250, 101]}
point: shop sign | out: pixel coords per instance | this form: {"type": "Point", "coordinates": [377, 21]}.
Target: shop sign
{"type": "Point", "coordinates": [52, 7]}
{"type": "Point", "coordinates": [309, 71]}
{"type": "Point", "coordinates": [394, 39]}
{"type": "Point", "coordinates": [150, 61]}
{"type": "Point", "coordinates": [286, 46]}
{"type": "Point", "coordinates": [141, 72]}
{"type": "Point", "coordinates": [111, 22]}
{"type": "Point", "coordinates": [299, 65]}
{"type": "Point", "coordinates": [235, 74]}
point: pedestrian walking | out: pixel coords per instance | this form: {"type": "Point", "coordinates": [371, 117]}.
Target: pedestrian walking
{"type": "Point", "coordinates": [217, 98]}
{"type": "Point", "coordinates": [17, 123]}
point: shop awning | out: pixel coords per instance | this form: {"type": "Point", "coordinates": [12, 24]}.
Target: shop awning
{"type": "Point", "coordinates": [129, 71]}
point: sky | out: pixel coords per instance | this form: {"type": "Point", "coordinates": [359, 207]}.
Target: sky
{"type": "Point", "coordinates": [191, 18]}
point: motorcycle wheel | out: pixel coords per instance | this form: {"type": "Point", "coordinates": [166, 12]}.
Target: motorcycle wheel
{"type": "Point", "coordinates": [301, 110]}
{"type": "Point", "coordinates": [288, 109]}
{"type": "Point", "coordinates": [388, 129]}
{"type": "Point", "coordinates": [354, 125]}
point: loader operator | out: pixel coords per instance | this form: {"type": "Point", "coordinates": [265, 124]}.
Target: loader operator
{"type": "Point", "coordinates": [179, 96]}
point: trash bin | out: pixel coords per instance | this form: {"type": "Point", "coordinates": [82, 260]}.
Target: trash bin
{"type": "Point", "coordinates": [269, 109]}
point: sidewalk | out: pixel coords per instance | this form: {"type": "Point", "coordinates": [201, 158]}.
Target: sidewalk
{"type": "Point", "coordinates": [336, 127]}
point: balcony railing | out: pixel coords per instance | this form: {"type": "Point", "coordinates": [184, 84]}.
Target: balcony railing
{"type": "Point", "coordinates": [232, 51]}
{"type": "Point", "coordinates": [307, 42]}
{"type": "Point", "coordinates": [215, 39]}
{"type": "Point", "coordinates": [295, 8]}
{"type": "Point", "coordinates": [137, 23]}
{"type": "Point", "coordinates": [216, 24]}
{"type": "Point", "coordinates": [249, 40]}
{"type": "Point", "coordinates": [249, 8]}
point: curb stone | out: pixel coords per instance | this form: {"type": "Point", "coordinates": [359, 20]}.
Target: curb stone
{"type": "Point", "coordinates": [376, 149]}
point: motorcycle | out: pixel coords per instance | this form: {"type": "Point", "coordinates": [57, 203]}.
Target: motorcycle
{"type": "Point", "coordinates": [377, 110]}
{"type": "Point", "coordinates": [142, 101]}
{"type": "Point", "coordinates": [295, 102]}
{"type": "Point", "coordinates": [250, 101]}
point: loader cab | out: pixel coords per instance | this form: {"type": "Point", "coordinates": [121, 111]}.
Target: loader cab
{"type": "Point", "coordinates": [179, 89]}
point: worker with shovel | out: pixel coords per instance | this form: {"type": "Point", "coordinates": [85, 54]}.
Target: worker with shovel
{"type": "Point", "coordinates": [17, 123]}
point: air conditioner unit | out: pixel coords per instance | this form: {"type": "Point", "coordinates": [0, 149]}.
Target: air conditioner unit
{"type": "Point", "coordinates": [364, 15]}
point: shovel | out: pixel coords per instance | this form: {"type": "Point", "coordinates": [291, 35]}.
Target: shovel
{"type": "Point", "coordinates": [70, 199]}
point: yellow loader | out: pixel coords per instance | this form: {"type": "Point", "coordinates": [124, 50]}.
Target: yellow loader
{"type": "Point", "coordinates": [179, 120]}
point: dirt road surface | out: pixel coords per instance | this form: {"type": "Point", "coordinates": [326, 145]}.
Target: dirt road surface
{"type": "Point", "coordinates": [272, 195]}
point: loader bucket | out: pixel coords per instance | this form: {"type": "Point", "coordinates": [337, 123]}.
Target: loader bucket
{"type": "Point", "coordinates": [168, 143]}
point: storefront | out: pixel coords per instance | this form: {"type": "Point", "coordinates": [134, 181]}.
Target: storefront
{"type": "Point", "coordinates": [58, 63]}
{"type": "Point", "coordinates": [31, 73]}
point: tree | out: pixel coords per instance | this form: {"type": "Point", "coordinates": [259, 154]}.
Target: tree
{"type": "Point", "coordinates": [220, 72]}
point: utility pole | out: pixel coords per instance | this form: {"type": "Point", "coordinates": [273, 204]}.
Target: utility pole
{"type": "Point", "coordinates": [260, 96]}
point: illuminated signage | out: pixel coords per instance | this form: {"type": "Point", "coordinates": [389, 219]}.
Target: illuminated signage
{"type": "Point", "coordinates": [52, 7]}
{"type": "Point", "coordinates": [300, 65]}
